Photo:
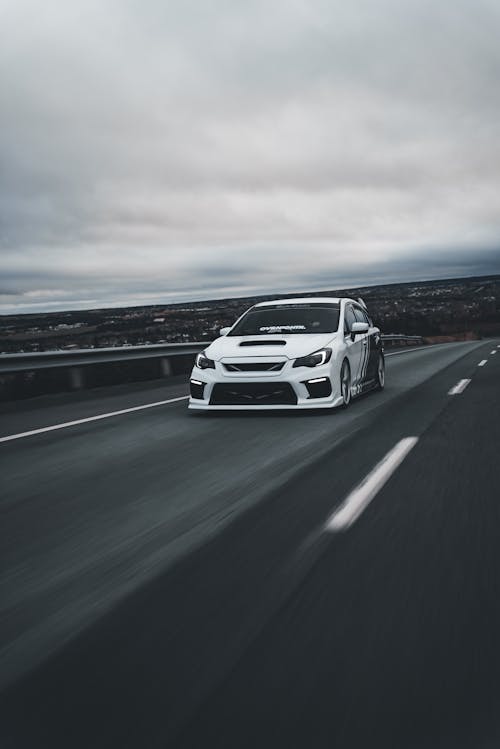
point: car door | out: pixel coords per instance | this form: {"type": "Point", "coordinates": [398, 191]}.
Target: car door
{"type": "Point", "coordinates": [354, 348]}
{"type": "Point", "coordinates": [374, 347]}
{"type": "Point", "coordinates": [366, 368]}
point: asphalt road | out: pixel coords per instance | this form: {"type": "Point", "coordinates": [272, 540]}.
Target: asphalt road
{"type": "Point", "coordinates": [171, 579]}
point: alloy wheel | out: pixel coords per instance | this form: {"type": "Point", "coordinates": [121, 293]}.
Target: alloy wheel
{"type": "Point", "coordinates": [345, 383]}
{"type": "Point", "coordinates": [381, 373]}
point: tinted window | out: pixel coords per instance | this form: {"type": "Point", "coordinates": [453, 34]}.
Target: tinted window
{"type": "Point", "coordinates": [349, 319]}
{"type": "Point", "coordinates": [288, 319]}
{"type": "Point", "coordinates": [360, 315]}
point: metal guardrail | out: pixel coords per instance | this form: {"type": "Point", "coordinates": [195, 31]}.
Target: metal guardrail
{"type": "Point", "coordinates": [395, 339]}
{"type": "Point", "coordinates": [35, 360]}
{"type": "Point", "coordinates": [77, 361]}
{"type": "Point", "coordinates": [76, 358]}
{"type": "Point", "coordinates": [74, 366]}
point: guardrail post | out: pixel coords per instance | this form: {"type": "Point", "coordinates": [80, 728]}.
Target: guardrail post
{"type": "Point", "coordinates": [76, 378]}
{"type": "Point", "coordinates": [166, 366]}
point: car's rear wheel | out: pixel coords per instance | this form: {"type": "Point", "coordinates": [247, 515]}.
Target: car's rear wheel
{"type": "Point", "coordinates": [380, 373]}
{"type": "Point", "coordinates": [345, 383]}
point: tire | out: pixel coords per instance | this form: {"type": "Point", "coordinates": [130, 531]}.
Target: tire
{"type": "Point", "coordinates": [345, 383]}
{"type": "Point", "coordinates": [380, 378]}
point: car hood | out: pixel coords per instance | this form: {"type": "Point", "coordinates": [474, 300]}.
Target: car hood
{"type": "Point", "coordinates": [291, 346]}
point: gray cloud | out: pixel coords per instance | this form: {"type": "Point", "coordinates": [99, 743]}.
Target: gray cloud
{"type": "Point", "coordinates": [163, 150]}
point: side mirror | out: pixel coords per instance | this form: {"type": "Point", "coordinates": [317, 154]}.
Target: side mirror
{"type": "Point", "coordinates": [358, 328]}
{"type": "Point", "coordinates": [224, 331]}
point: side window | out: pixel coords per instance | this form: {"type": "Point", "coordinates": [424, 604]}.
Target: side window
{"type": "Point", "coordinates": [361, 315]}
{"type": "Point", "coordinates": [349, 319]}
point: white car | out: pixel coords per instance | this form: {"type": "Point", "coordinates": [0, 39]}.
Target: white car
{"type": "Point", "coordinates": [312, 352]}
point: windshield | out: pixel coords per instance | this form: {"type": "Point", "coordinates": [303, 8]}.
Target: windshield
{"type": "Point", "coordinates": [289, 319]}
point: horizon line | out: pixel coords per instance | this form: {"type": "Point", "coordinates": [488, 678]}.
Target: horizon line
{"type": "Point", "coordinates": [248, 296]}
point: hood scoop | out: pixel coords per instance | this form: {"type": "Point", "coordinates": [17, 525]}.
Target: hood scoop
{"type": "Point", "coordinates": [263, 343]}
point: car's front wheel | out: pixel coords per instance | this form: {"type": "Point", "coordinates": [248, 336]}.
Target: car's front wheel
{"type": "Point", "coordinates": [345, 383]}
{"type": "Point", "coordinates": [380, 373]}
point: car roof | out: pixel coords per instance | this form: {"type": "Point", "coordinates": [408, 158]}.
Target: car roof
{"type": "Point", "coordinates": [305, 300]}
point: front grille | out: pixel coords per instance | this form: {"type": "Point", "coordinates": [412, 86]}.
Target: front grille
{"type": "Point", "coordinates": [253, 394]}
{"type": "Point", "coordinates": [265, 366]}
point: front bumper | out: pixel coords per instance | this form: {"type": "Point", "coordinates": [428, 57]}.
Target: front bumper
{"type": "Point", "coordinates": [289, 389]}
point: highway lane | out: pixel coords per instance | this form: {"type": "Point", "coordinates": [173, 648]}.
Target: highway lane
{"type": "Point", "coordinates": [92, 511]}
{"type": "Point", "coordinates": [35, 413]}
{"type": "Point", "coordinates": [42, 411]}
{"type": "Point", "coordinates": [70, 586]}
{"type": "Point", "coordinates": [391, 639]}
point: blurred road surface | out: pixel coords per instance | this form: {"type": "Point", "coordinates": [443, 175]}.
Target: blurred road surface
{"type": "Point", "coordinates": [171, 579]}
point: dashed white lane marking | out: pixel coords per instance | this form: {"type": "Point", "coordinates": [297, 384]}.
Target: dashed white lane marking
{"type": "Point", "coordinates": [359, 499]}
{"type": "Point", "coordinates": [66, 424]}
{"type": "Point", "coordinates": [459, 387]}
{"type": "Point", "coordinates": [482, 362]}
{"type": "Point", "coordinates": [494, 351]}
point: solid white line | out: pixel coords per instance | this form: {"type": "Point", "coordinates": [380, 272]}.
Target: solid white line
{"type": "Point", "coordinates": [359, 499]}
{"type": "Point", "coordinates": [459, 387]}
{"type": "Point", "coordinates": [410, 349]}
{"type": "Point", "coordinates": [482, 362]}
{"type": "Point", "coordinates": [407, 351]}
{"type": "Point", "coordinates": [66, 424]}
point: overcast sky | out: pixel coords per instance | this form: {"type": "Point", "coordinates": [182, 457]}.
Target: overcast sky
{"type": "Point", "coordinates": [161, 150]}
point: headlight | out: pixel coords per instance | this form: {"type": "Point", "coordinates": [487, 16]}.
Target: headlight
{"type": "Point", "coordinates": [314, 360]}
{"type": "Point", "coordinates": [203, 362]}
